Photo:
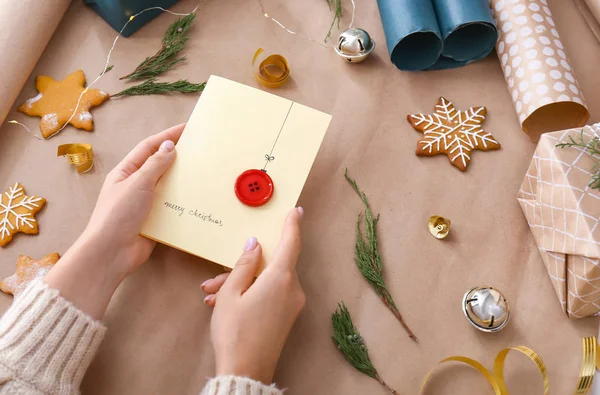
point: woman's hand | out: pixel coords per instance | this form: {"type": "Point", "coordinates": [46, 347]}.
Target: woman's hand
{"type": "Point", "coordinates": [252, 319]}
{"type": "Point", "coordinates": [126, 198]}
{"type": "Point", "coordinates": [110, 248]}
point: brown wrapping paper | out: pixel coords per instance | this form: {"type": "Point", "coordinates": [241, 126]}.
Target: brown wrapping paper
{"type": "Point", "coordinates": [25, 29]}
{"type": "Point", "coordinates": [594, 7]}
{"type": "Point", "coordinates": [563, 213]}
{"type": "Point", "coordinates": [590, 10]}
{"type": "Point", "coordinates": [540, 79]}
{"type": "Point", "coordinates": [158, 338]}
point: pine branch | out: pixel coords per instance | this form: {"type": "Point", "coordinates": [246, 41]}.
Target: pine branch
{"type": "Point", "coordinates": [593, 148]}
{"type": "Point", "coordinates": [349, 341]}
{"type": "Point", "coordinates": [166, 58]}
{"type": "Point", "coordinates": [368, 259]}
{"type": "Point", "coordinates": [151, 87]}
{"type": "Point", "coordinates": [336, 7]}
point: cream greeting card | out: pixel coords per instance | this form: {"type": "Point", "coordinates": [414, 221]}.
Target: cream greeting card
{"type": "Point", "coordinates": [241, 164]}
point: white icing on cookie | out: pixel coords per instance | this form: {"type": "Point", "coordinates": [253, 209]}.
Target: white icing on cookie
{"type": "Point", "coordinates": [30, 102]}
{"type": "Point", "coordinates": [51, 119]}
{"type": "Point", "coordinates": [85, 116]}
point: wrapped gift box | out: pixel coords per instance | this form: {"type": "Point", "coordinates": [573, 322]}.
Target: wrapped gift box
{"type": "Point", "coordinates": [117, 12]}
{"type": "Point", "coordinates": [563, 213]}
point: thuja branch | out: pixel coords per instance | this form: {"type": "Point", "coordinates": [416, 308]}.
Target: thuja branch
{"type": "Point", "coordinates": [151, 87]}
{"type": "Point", "coordinates": [593, 148]}
{"type": "Point", "coordinates": [336, 7]}
{"type": "Point", "coordinates": [368, 259]}
{"type": "Point", "coordinates": [349, 341]}
{"type": "Point", "coordinates": [166, 58]}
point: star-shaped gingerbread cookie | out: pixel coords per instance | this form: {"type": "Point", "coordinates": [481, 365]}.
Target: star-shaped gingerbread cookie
{"type": "Point", "coordinates": [27, 271]}
{"type": "Point", "coordinates": [453, 132]}
{"type": "Point", "coordinates": [57, 101]}
{"type": "Point", "coordinates": [17, 213]}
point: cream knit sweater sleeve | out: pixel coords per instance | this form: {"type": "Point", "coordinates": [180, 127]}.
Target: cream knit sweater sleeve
{"type": "Point", "coordinates": [47, 344]}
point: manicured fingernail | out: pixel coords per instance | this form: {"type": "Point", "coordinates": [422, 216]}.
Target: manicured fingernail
{"type": "Point", "coordinates": [204, 284]}
{"type": "Point", "coordinates": [300, 211]}
{"type": "Point", "coordinates": [209, 299]}
{"type": "Point", "coordinates": [250, 244]}
{"type": "Point", "coordinates": [167, 146]}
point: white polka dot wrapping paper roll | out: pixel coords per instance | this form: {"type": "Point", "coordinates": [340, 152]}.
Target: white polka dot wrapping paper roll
{"type": "Point", "coordinates": [541, 82]}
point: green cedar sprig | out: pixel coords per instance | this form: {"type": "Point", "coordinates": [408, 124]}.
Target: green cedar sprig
{"type": "Point", "coordinates": [349, 341]}
{"type": "Point", "coordinates": [151, 87]}
{"type": "Point", "coordinates": [368, 259]}
{"type": "Point", "coordinates": [107, 69]}
{"type": "Point", "coordinates": [166, 58]}
{"type": "Point", "coordinates": [593, 148]}
{"type": "Point", "coordinates": [336, 7]}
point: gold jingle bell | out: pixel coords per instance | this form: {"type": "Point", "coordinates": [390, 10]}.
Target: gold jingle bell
{"type": "Point", "coordinates": [354, 45]}
{"type": "Point", "coordinates": [486, 309]}
{"type": "Point", "coordinates": [439, 227]}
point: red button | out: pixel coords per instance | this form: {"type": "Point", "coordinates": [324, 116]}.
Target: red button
{"type": "Point", "coordinates": [254, 187]}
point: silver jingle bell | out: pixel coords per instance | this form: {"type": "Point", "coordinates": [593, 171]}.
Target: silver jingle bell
{"type": "Point", "coordinates": [486, 309]}
{"type": "Point", "coordinates": [354, 45]}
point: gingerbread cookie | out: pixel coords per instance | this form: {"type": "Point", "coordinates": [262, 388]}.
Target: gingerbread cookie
{"type": "Point", "coordinates": [58, 99]}
{"type": "Point", "coordinates": [27, 271]}
{"type": "Point", "coordinates": [17, 213]}
{"type": "Point", "coordinates": [453, 133]}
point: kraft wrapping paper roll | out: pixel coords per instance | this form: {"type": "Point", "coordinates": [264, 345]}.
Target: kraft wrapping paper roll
{"type": "Point", "coordinates": [590, 10]}
{"type": "Point", "coordinates": [594, 6]}
{"type": "Point", "coordinates": [437, 34]}
{"type": "Point", "coordinates": [540, 79]}
{"type": "Point", "coordinates": [25, 29]}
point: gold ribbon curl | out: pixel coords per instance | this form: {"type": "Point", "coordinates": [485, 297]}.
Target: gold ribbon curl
{"type": "Point", "coordinates": [590, 362]}
{"type": "Point", "coordinates": [496, 379]}
{"type": "Point", "coordinates": [80, 155]}
{"type": "Point", "coordinates": [265, 74]}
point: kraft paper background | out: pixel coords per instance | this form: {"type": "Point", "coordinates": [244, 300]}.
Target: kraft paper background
{"type": "Point", "coordinates": [158, 328]}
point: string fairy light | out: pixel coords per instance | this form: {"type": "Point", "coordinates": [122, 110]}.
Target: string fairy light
{"type": "Point", "coordinates": [26, 128]}
{"type": "Point", "coordinates": [106, 68]}
{"type": "Point", "coordinates": [281, 25]}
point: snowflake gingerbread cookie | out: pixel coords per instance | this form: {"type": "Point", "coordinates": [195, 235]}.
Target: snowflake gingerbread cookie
{"type": "Point", "coordinates": [17, 213]}
{"type": "Point", "coordinates": [57, 101]}
{"type": "Point", "coordinates": [453, 133]}
{"type": "Point", "coordinates": [27, 270]}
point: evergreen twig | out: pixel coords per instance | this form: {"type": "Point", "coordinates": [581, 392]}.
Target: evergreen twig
{"type": "Point", "coordinates": [368, 259]}
{"type": "Point", "coordinates": [349, 341]}
{"type": "Point", "coordinates": [107, 69]}
{"type": "Point", "coordinates": [336, 7]}
{"type": "Point", "coordinates": [593, 148]}
{"type": "Point", "coordinates": [166, 58]}
{"type": "Point", "coordinates": [151, 87]}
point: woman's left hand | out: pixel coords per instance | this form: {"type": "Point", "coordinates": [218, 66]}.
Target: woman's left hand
{"type": "Point", "coordinates": [110, 248]}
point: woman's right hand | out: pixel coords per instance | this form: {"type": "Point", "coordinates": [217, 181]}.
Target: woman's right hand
{"type": "Point", "coordinates": [252, 319]}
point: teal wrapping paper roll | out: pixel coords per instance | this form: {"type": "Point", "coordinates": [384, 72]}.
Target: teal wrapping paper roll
{"type": "Point", "coordinates": [411, 32]}
{"type": "Point", "coordinates": [437, 34]}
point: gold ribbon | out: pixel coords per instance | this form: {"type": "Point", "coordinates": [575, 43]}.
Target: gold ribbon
{"type": "Point", "coordinates": [496, 379]}
{"type": "Point", "coordinates": [264, 74]}
{"type": "Point", "coordinates": [590, 362]}
{"type": "Point", "coordinates": [80, 155]}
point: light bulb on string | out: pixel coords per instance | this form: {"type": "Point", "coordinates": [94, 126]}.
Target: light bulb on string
{"type": "Point", "coordinates": [354, 44]}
